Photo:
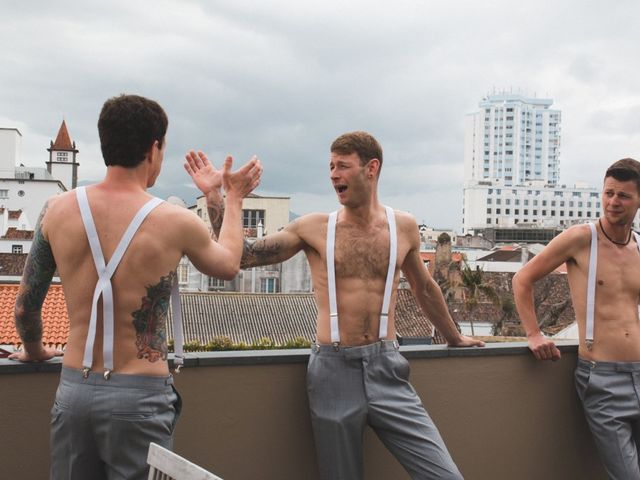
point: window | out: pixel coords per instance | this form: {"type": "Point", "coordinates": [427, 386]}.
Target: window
{"type": "Point", "coordinates": [215, 283]}
{"type": "Point", "coordinates": [251, 218]}
{"type": "Point", "coordinates": [16, 248]}
{"type": "Point", "coordinates": [183, 273]}
{"type": "Point", "coordinates": [488, 210]}
{"type": "Point", "coordinates": [268, 285]}
{"type": "Point", "coordinates": [4, 193]}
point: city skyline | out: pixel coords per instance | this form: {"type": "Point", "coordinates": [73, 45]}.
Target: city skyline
{"type": "Point", "coordinates": [282, 81]}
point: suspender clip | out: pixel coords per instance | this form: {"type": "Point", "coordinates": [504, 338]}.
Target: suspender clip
{"type": "Point", "coordinates": [85, 372]}
{"type": "Point", "coordinates": [589, 344]}
{"type": "Point", "coordinates": [336, 346]}
{"type": "Point", "coordinates": [177, 369]}
{"type": "Point", "coordinates": [107, 374]}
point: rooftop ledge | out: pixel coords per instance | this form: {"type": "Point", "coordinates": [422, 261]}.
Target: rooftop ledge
{"type": "Point", "coordinates": [502, 414]}
{"type": "Point", "coordinates": [284, 356]}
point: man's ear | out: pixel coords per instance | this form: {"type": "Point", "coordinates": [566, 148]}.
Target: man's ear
{"type": "Point", "coordinates": [153, 151]}
{"type": "Point", "coordinates": [373, 167]}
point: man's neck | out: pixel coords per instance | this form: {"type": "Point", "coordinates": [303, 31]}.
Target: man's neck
{"type": "Point", "coordinates": [125, 179]}
{"type": "Point", "coordinates": [618, 233]}
{"type": "Point", "coordinates": [363, 214]}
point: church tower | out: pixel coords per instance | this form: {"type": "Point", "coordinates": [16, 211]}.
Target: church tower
{"type": "Point", "coordinates": [62, 163]}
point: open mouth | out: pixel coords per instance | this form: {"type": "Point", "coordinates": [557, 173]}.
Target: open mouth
{"type": "Point", "coordinates": [340, 188]}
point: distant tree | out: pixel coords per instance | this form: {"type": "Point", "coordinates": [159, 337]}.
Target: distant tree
{"type": "Point", "coordinates": [473, 287]}
{"type": "Point", "coordinates": [508, 308]}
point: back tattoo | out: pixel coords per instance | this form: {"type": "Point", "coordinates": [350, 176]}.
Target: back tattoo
{"type": "Point", "coordinates": [150, 321]}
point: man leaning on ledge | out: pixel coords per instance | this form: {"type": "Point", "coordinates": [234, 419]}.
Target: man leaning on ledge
{"type": "Point", "coordinates": [603, 262]}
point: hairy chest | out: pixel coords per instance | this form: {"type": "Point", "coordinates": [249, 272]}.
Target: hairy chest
{"type": "Point", "coordinates": [362, 253]}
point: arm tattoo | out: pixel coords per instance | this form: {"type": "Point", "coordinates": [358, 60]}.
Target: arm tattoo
{"type": "Point", "coordinates": [254, 253]}
{"type": "Point", "coordinates": [216, 214]}
{"type": "Point", "coordinates": [259, 252]}
{"type": "Point", "coordinates": [150, 321]}
{"type": "Point", "coordinates": [37, 275]}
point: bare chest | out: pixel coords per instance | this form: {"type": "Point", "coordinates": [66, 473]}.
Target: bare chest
{"type": "Point", "coordinates": [362, 254]}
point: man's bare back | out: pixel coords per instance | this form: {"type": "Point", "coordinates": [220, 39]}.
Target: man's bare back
{"type": "Point", "coordinates": [141, 285]}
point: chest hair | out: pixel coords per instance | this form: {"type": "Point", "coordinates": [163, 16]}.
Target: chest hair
{"type": "Point", "coordinates": [362, 253]}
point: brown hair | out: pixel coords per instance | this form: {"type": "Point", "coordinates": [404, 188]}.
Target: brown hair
{"type": "Point", "coordinates": [361, 143]}
{"type": "Point", "coordinates": [625, 170]}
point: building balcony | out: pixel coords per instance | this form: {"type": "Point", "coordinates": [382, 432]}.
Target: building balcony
{"type": "Point", "coordinates": [502, 414]}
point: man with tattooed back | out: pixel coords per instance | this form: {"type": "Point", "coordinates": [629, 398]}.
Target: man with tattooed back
{"type": "Point", "coordinates": [116, 249]}
{"type": "Point", "coordinates": [356, 375]}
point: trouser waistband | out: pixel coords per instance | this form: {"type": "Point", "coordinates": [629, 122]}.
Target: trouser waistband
{"type": "Point", "coordinates": [355, 352]}
{"type": "Point", "coordinates": [73, 375]}
{"type": "Point", "coordinates": [609, 366]}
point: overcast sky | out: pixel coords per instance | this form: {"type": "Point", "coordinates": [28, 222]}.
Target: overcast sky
{"type": "Point", "coordinates": [283, 78]}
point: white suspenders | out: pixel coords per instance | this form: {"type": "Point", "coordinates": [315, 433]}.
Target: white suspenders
{"type": "Point", "coordinates": [331, 275]}
{"type": "Point", "coordinates": [591, 283]}
{"type": "Point", "coordinates": [104, 287]}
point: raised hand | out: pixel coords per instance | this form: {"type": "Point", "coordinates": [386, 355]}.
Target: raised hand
{"type": "Point", "coordinates": [209, 179]}
{"type": "Point", "coordinates": [244, 180]}
{"type": "Point", "coordinates": [206, 177]}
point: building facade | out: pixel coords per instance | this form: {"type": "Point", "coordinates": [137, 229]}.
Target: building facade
{"type": "Point", "coordinates": [512, 169]}
{"type": "Point", "coordinates": [260, 216]}
{"type": "Point", "coordinates": [28, 188]}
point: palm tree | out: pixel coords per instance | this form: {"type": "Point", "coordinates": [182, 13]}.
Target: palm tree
{"type": "Point", "coordinates": [473, 285]}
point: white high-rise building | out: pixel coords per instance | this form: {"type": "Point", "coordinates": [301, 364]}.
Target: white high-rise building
{"type": "Point", "coordinates": [513, 139]}
{"type": "Point", "coordinates": [512, 168]}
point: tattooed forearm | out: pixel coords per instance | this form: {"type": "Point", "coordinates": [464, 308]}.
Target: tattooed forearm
{"type": "Point", "coordinates": [37, 275]}
{"type": "Point", "coordinates": [216, 214]}
{"type": "Point", "coordinates": [259, 252]}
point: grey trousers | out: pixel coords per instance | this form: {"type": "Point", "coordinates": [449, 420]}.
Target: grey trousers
{"type": "Point", "coordinates": [101, 429]}
{"type": "Point", "coordinates": [354, 386]}
{"type": "Point", "coordinates": [610, 393]}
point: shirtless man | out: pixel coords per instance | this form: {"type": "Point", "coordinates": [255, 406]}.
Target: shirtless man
{"type": "Point", "coordinates": [608, 371]}
{"type": "Point", "coordinates": [356, 375]}
{"type": "Point", "coordinates": [116, 394]}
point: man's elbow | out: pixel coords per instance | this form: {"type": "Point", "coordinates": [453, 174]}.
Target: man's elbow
{"type": "Point", "coordinates": [229, 272]}
{"type": "Point", "coordinates": [520, 282]}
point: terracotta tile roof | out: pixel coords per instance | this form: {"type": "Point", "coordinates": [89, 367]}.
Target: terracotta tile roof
{"type": "Point", "coordinates": [14, 214]}
{"type": "Point", "coordinates": [12, 264]}
{"type": "Point", "coordinates": [55, 319]}
{"type": "Point", "coordinates": [14, 234]}
{"type": "Point", "coordinates": [63, 141]}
